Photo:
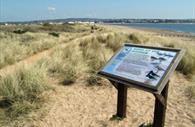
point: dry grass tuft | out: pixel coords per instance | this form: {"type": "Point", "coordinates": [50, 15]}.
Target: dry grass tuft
{"type": "Point", "coordinates": [94, 80]}
{"type": "Point", "coordinates": [94, 53]}
{"type": "Point", "coordinates": [192, 92]}
{"type": "Point", "coordinates": [20, 92]}
{"type": "Point", "coordinates": [134, 38]}
{"type": "Point", "coordinates": [66, 63]}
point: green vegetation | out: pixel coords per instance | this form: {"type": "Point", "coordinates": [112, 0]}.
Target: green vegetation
{"type": "Point", "coordinates": [31, 40]}
{"type": "Point", "coordinates": [94, 80]}
{"type": "Point", "coordinates": [187, 64]}
{"type": "Point", "coordinates": [115, 117]}
{"type": "Point", "coordinates": [15, 47]}
{"type": "Point", "coordinates": [66, 63]}
{"type": "Point", "coordinates": [72, 28]}
{"type": "Point", "coordinates": [54, 34]}
{"type": "Point", "coordinates": [21, 91]}
{"type": "Point", "coordinates": [134, 38]}
{"type": "Point", "coordinates": [94, 53]}
{"type": "Point", "coordinates": [19, 31]}
{"type": "Point", "coordinates": [146, 125]}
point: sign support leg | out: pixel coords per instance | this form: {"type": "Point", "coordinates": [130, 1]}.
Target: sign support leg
{"type": "Point", "coordinates": [121, 101]}
{"type": "Point", "coordinates": [160, 107]}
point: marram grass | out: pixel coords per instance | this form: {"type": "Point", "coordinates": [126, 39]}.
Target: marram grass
{"type": "Point", "coordinates": [21, 91]}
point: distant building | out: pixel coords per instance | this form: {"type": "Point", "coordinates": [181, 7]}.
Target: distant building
{"type": "Point", "coordinates": [71, 22]}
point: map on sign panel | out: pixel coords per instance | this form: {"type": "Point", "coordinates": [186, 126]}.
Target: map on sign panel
{"type": "Point", "coordinates": [140, 64]}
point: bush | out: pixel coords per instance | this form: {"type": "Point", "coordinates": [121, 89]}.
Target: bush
{"type": "Point", "coordinates": [22, 90]}
{"type": "Point", "coordinates": [19, 31]}
{"type": "Point", "coordinates": [54, 34]}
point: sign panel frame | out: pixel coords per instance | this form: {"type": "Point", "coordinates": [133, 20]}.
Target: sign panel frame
{"type": "Point", "coordinates": [129, 82]}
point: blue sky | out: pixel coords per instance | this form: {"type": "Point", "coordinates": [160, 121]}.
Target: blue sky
{"type": "Point", "coordinates": [25, 10]}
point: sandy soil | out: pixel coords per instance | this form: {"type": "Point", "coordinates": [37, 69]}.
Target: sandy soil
{"type": "Point", "coordinates": [79, 105]}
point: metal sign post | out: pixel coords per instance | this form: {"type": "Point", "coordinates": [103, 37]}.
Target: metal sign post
{"type": "Point", "coordinates": [121, 101]}
{"type": "Point", "coordinates": [146, 68]}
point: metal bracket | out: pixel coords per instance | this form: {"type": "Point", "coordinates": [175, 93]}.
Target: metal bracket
{"type": "Point", "coordinates": [115, 84]}
{"type": "Point", "coordinates": [160, 98]}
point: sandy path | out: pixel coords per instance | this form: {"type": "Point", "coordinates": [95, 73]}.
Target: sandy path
{"type": "Point", "coordinates": [79, 105]}
{"type": "Point", "coordinates": [34, 58]}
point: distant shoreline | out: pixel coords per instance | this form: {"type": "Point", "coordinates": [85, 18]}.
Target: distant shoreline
{"type": "Point", "coordinates": [158, 31]}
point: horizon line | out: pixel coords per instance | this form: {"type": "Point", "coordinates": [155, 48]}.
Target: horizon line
{"type": "Point", "coordinates": [99, 19]}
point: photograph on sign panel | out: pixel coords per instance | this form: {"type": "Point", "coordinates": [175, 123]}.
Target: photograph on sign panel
{"type": "Point", "coordinates": [140, 64]}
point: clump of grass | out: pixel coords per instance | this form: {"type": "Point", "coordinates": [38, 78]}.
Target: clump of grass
{"type": "Point", "coordinates": [192, 92]}
{"type": "Point", "coordinates": [66, 63]}
{"type": "Point", "coordinates": [54, 34]}
{"type": "Point", "coordinates": [15, 47]}
{"type": "Point", "coordinates": [115, 117]}
{"type": "Point", "coordinates": [170, 45]}
{"type": "Point", "coordinates": [101, 39]}
{"type": "Point", "coordinates": [113, 42]}
{"type": "Point", "coordinates": [134, 38]}
{"type": "Point", "coordinates": [21, 91]}
{"type": "Point", "coordinates": [187, 65]}
{"type": "Point", "coordinates": [70, 75]}
{"type": "Point", "coordinates": [11, 52]}
{"type": "Point", "coordinates": [146, 125]}
{"type": "Point", "coordinates": [93, 80]}
{"type": "Point", "coordinates": [116, 40]}
{"type": "Point", "coordinates": [93, 53]}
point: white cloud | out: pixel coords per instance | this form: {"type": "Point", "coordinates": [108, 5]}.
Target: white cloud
{"type": "Point", "coordinates": [51, 9]}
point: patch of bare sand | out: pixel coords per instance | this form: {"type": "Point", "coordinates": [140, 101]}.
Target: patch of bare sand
{"type": "Point", "coordinates": [79, 105]}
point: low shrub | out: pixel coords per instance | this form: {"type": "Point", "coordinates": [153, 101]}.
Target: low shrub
{"type": "Point", "coordinates": [19, 31]}
{"type": "Point", "coordinates": [54, 34]}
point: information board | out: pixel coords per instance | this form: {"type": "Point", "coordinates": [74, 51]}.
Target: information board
{"type": "Point", "coordinates": [145, 66]}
